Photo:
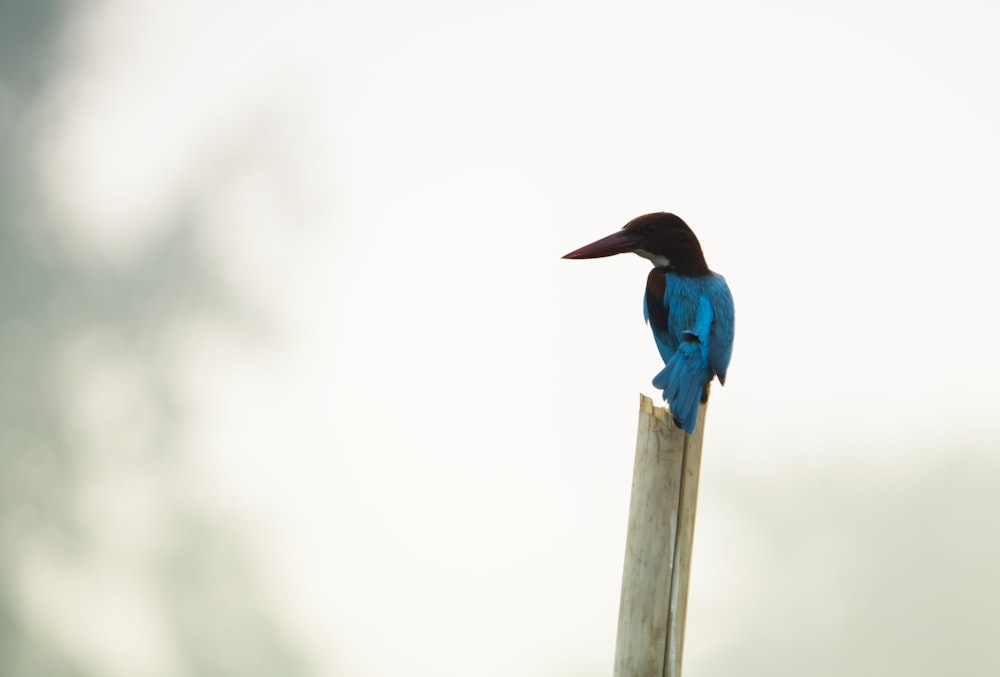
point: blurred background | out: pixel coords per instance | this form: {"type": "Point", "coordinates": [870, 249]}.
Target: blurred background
{"type": "Point", "coordinates": [294, 382]}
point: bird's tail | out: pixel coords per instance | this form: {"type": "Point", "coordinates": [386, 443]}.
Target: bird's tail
{"type": "Point", "coordinates": [682, 382]}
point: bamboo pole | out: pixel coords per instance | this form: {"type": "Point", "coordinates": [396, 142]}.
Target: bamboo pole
{"type": "Point", "coordinates": [658, 547]}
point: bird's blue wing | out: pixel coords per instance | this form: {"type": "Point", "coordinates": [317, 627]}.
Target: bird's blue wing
{"type": "Point", "coordinates": [720, 341]}
{"type": "Point", "coordinates": [692, 324]}
{"type": "Point", "coordinates": [683, 378]}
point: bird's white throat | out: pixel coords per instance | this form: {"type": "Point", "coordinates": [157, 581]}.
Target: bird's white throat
{"type": "Point", "coordinates": [658, 261]}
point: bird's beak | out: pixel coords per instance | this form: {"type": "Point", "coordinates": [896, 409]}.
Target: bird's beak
{"type": "Point", "coordinates": [616, 243]}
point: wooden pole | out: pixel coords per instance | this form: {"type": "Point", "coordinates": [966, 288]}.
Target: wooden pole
{"type": "Point", "coordinates": [658, 547]}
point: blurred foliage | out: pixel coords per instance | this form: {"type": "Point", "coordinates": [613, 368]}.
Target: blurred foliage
{"type": "Point", "coordinates": [192, 569]}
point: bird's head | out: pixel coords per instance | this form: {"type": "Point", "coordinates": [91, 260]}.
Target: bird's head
{"type": "Point", "coordinates": [662, 238]}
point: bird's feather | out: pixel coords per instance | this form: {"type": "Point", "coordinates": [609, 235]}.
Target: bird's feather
{"type": "Point", "coordinates": [692, 323]}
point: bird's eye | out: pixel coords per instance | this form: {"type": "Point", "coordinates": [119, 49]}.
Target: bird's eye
{"type": "Point", "coordinates": [648, 229]}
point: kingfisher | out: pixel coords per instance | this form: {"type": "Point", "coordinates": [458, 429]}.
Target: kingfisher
{"type": "Point", "coordinates": [688, 307]}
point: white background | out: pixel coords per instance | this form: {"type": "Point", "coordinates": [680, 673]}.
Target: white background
{"type": "Point", "coordinates": [421, 423]}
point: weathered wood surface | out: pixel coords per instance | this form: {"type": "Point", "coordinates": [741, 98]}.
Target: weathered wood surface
{"type": "Point", "coordinates": [658, 547]}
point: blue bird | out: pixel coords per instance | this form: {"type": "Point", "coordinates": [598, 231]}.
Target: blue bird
{"type": "Point", "coordinates": [688, 307]}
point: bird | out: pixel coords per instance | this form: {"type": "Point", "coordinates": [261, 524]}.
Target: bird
{"type": "Point", "coordinates": [688, 307]}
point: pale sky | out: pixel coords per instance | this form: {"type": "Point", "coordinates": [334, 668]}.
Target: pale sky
{"type": "Point", "coordinates": [422, 421]}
